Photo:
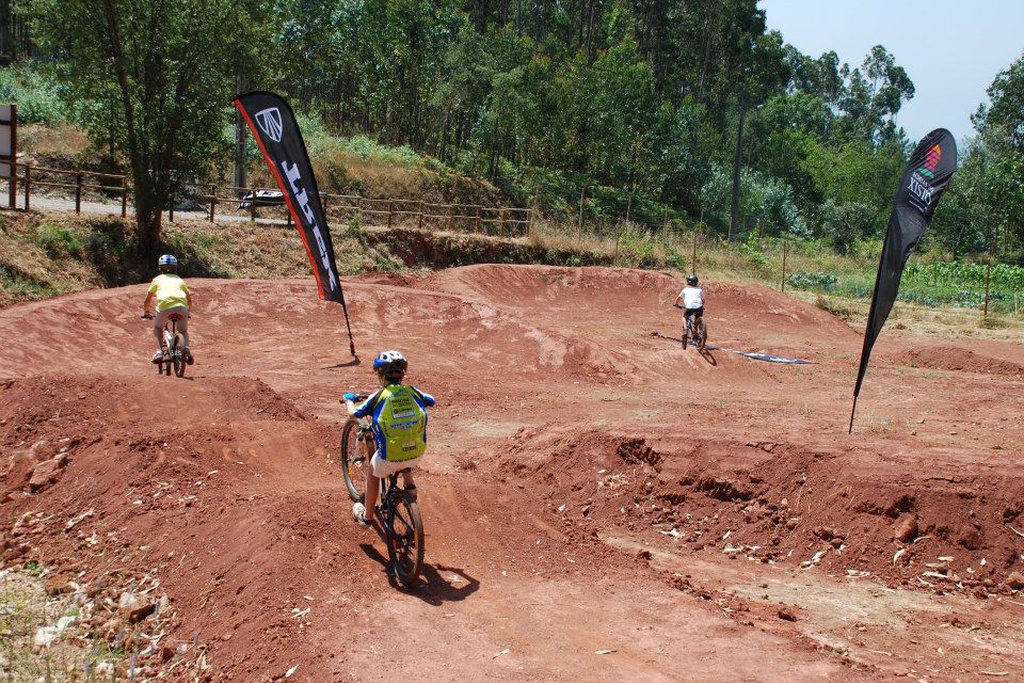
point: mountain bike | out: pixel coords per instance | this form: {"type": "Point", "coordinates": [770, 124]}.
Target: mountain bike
{"type": "Point", "coordinates": [695, 332]}
{"type": "Point", "coordinates": [397, 509]}
{"type": "Point", "coordinates": [173, 345]}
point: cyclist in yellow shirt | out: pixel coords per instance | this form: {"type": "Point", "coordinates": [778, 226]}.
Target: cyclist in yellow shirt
{"type": "Point", "coordinates": [172, 296]}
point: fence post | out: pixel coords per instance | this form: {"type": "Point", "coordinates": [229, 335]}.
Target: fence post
{"type": "Point", "coordinates": [419, 223]}
{"type": "Point", "coordinates": [124, 197]}
{"type": "Point", "coordinates": [479, 219]}
{"type": "Point", "coordinates": [28, 185]}
{"type": "Point", "coordinates": [693, 261]}
{"type": "Point", "coordinates": [213, 200]}
{"type": "Point", "coordinates": [252, 205]}
{"type": "Point", "coordinates": [988, 278]}
{"type": "Point", "coordinates": [583, 198]}
{"type": "Point", "coordinates": [504, 219]}
{"type": "Point", "coordinates": [391, 212]}
{"type": "Point", "coordinates": [78, 192]}
{"type": "Point", "coordinates": [12, 195]}
{"type": "Point", "coordinates": [785, 246]}
{"type": "Point", "coordinates": [451, 220]}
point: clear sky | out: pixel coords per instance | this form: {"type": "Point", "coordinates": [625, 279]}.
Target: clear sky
{"type": "Point", "coordinates": [952, 50]}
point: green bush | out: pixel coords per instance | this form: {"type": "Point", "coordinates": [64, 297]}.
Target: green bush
{"type": "Point", "coordinates": [58, 241]}
{"type": "Point", "coordinates": [819, 282]}
{"type": "Point", "coordinates": [36, 95]}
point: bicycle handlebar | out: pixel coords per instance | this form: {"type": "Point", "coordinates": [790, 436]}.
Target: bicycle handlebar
{"type": "Point", "coordinates": [356, 398]}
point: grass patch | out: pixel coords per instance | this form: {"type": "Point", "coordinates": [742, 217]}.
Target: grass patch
{"type": "Point", "coordinates": [41, 638]}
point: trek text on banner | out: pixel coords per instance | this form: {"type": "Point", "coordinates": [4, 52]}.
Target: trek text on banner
{"type": "Point", "coordinates": [273, 124]}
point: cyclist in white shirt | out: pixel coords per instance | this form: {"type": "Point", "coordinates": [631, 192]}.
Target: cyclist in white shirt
{"type": "Point", "coordinates": [691, 299]}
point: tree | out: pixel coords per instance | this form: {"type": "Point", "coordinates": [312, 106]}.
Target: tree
{"type": "Point", "coordinates": [763, 71]}
{"type": "Point", "coordinates": [1002, 142]}
{"type": "Point", "coordinates": [153, 81]}
{"type": "Point", "coordinates": [1007, 110]}
{"type": "Point", "coordinates": [873, 96]}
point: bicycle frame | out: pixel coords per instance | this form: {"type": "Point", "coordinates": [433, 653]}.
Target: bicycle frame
{"type": "Point", "coordinates": [694, 331]}
{"type": "Point", "coordinates": [174, 345]}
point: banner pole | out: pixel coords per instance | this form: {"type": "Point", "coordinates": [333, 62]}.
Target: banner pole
{"type": "Point", "coordinates": [852, 411]}
{"type": "Point", "coordinates": [344, 308]}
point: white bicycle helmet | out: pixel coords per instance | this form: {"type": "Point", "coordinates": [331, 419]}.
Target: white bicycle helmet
{"type": "Point", "coordinates": [167, 260]}
{"type": "Point", "coordinates": [390, 363]}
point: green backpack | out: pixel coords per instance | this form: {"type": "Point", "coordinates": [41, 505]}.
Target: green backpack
{"type": "Point", "coordinates": [403, 422]}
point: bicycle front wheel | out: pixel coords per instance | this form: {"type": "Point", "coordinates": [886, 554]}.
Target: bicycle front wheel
{"type": "Point", "coordinates": [405, 539]}
{"type": "Point", "coordinates": [702, 333]}
{"type": "Point", "coordinates": [353, 461]}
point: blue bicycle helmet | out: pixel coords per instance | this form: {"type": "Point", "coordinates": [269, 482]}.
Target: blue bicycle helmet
{"type": "Point", "coordinates": [390, 363]}
{"type": "Point", "coordinates": [167, 260]}
{"type": "Point", "coordinates": [692, 280]}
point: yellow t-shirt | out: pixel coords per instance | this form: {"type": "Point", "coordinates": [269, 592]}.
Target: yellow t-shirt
{"type": "Point", "coordinates": [170, 291]}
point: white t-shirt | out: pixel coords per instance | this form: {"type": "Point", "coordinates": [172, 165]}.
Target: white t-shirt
{"type": "Point", "coordinates": [693, 297]}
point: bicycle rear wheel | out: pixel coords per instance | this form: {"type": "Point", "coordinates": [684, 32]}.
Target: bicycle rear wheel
{"type": "Point", "coordinates": [405, 539]}
{"type": "Point", "coordinates": [178, 355]}
{"type": "Point", "coordinates": [353, 461]}
{"type": "Point", "coordinates": [702, 333]}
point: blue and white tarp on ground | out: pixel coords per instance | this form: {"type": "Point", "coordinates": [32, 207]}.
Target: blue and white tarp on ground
{"type": "Point", "coordinates": [774, 359]}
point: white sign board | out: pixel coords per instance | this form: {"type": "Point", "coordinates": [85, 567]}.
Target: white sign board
{"type": "Point", "coordinates": [6, 132]}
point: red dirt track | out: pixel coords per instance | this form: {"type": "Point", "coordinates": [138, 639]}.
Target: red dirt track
{"type": "Point", "coordinates": [599, 504]}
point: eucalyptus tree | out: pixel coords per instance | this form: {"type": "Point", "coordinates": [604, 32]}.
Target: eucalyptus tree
{"type": "Point", "coordinates": [762, 72]}
{"type": "Point", "coordinates": [1001, 139]}
{"type": "Point", "coordinates": [153, 81]}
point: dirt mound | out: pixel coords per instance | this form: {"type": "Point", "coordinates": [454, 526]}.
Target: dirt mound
{"type": "Point", "coordinates": [552, 288]}
{"type": "Point", "coordinates": [960, 359]}
{"type": "Point", "coordinates": [106, 475]}
{"type": "Point", "coordinates": [775, 503]}
{"type": "Point", "coordinates": [599, 503]}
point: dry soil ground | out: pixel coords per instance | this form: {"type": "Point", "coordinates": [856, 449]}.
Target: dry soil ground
{"type": "Point", "coordinates": [599, 503]}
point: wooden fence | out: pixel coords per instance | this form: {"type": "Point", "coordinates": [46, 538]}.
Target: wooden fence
{"type": "Point", "coordinates": [227, 201]}
{"type": "Point", "coordinates": [78, 181]}
{"type": "Point", "coordinates": [488, 220]}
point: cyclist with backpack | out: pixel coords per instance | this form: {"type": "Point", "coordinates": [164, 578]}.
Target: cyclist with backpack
{"type": "Point", "coordinates": [399, 417]}
{"type": "Point", "coordinates": [172, 296]}
{"type": "Point", "coordinates": [691, 300]}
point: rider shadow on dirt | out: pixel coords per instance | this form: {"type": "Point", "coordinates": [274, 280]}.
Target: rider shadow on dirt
{"type": "Point", "coordinates": [705, 353]}
{"type": "Point", "coordinates": [433, 588]}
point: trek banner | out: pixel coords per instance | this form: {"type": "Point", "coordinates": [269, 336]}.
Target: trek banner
{"type": "Point", "coordinates": [930, 169]}
{"type": "Point", "coordinates": [273, 124]}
